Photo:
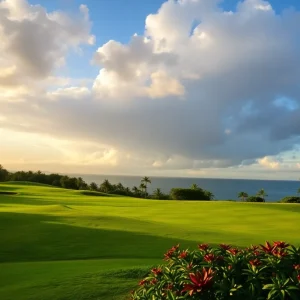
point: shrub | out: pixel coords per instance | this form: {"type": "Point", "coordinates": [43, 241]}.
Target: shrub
{"type": "Point", "coordinates": [189, 194]}
{"type": "Point", "coordinates": [292, 199]}
{"type": "Point", "coordinates": [270, 271]}
{"type": "Point", "coordinates": [255, 199]}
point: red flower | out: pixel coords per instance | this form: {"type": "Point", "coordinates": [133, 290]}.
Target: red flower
{"type": "Point", "coordinates": [298, 277]}
{"type": "Point", "coordinates": [143, 282]}
{"type": "Point", "coordinates": [229, 267]}
{"type": "Point", "coordinates": [233, 251]}
{"type": "Point", "coordinates": [279, 253]}
{"type": "Point", "coordinates": [153, 281]}
{"type": "Point", "coordinates": [267, 248]}
{"type": "Point", "coordinates": [183, 254]}
{"type": "Point", "coordinates": [280, 244]}
{"type": "Point", "coordinates": [168, 255]}
{"type": "Point", "coordinates": [210, 257]}
{"type": "Point", "coordinates": [255, 262]}
{"type": "Point", "coordinates": [190, 266]}
{"type": "Point", "coordinates": [170, 252]}
{"type": "Point", "coordinates": [203, 247]}
{"type": "Point", "coordinates": [175, 248]}
{"type": "Point", "coordinates": [200, 281]}
{"type": "Point", "coordinates": [225, 247]}
{"type": "Point", "coordinates": [157, 271]}
{"type": "Point", "coordinates": [254, 248]}
{"type": "Point", "coordinates": [256, 253]}
{"type": "Point", "coordinates": [296, 267]}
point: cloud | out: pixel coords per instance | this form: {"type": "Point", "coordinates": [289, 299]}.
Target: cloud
{"type": "Point", "coordinates": [269, 163]}
{"type": "Point", "coordinates": [34, 42]}
{"type": "Point", "coordinates": [198, 90]}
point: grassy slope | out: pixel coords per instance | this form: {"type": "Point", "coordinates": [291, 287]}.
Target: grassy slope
{"type": "Point", "coordinates": [60, 244]}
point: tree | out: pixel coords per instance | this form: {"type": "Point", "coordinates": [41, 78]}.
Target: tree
{"type": "Point", "coordinates": [298, 191]}
{"type": "Point", "coordinates": [120, 187]}
{"type": "Point", "coordinates": [194, 186]}
{"type": "Point", "coordinates": [93, 186]}
{"type": "Point", "coordinates": [106, 186]}
{"type": "Point", "coordinates": [188, 194]}
{"type": "Point", "coordinates": [145, 180]}
{"type": "Point", "coordinates": [81, 184]}
{"type": "Point", "coordinates": [143, 188]}
{"type": "Point", "coordinates": [69, 182]}
{"type": "Point", "coordinates": [136, 191]}
{"type": "Point", "coordinates": [243, 195]}
{"type": "Point", "coordinates": [255, 199]}
{"type": "Point", "coordinates": [210, 195]}
{"type": "Point", "coordinates": [157, 194]}
{"type": "Point", "coordinates": [3, 174]}
{"type": "Point", "coordinates": [262, 194]}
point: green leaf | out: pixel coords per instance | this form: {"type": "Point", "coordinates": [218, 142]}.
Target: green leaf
{"type": "Point", "coordinates": [292, 295]}
{"type": "Point", "coordinates": [268, 286]}
{"type": "Point", "coordinates": [171, 295]}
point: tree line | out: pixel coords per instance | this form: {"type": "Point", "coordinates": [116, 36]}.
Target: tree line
{"type": "Point", "coordinates": [141, 191]}
{"type": "Point", "coordinates": [77, 183]}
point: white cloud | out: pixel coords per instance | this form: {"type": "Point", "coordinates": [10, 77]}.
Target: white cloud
{"type": "Point", "coordinates": [269, 163]}
{"type": "Point", "coordinates": [217, 75]}
{"type": "Point", "coordinates": [34, 42]}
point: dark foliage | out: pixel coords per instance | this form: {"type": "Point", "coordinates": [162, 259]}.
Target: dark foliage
{"type": "Point", "coordinates": [292, 199]}
{"type": "Point", "coordinates": [254, 199]}
{"type": "Point", "coordinates": [189, 194]}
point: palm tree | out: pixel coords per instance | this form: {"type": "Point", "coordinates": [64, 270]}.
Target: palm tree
{"type": "Point", "coordinates": [143, 187]}
{"type": "Point", "coordinates": [157, 194]}
{"type": "Point", "coordinates": [243, 195]}
{"type": "Point", "coordinates": [135, 190]}
{"type": "Point", "coordinates": [261, 193]}
{"type": "Point", "coordinates": [210, 195]}
{"type": "Point", "coordinates": [145, 180]}
{"type": "Point", "coordinates": [105, 186]}
{"type": "Point", "coordinates": [194, 186]}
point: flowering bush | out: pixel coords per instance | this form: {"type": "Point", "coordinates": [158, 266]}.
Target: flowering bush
{"type": "Point", "coordinates": [270, 271]}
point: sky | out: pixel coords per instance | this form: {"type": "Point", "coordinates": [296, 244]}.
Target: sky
{"type": "Point", "coordinates": [187, 88]}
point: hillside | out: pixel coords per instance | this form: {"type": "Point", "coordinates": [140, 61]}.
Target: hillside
{"type": "Point", "coordinates": [62, 244]}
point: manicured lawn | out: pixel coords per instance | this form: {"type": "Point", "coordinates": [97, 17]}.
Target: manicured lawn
{"type": "Point", "coordinates": [62, 244]}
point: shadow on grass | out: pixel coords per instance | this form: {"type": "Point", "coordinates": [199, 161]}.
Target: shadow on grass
{"type": "Point", "coordinates": [31, 237]}
{"type": "Point", "coordinates": [7, 193]}
{"type": "Point", "coordinates": [94, 193]}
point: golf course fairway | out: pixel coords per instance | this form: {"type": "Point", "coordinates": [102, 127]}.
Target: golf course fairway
{"type": "Point", "coordinates": [65, 244]}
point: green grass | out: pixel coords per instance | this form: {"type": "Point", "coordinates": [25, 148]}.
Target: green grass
{"type": "Point", "coordinates": [64, 244]}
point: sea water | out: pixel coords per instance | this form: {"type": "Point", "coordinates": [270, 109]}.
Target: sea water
{"type": "Point", "coordinates": [223, 189]}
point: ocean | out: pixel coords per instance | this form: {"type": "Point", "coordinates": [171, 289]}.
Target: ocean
{"type": "Point", "coordinates": [223, 189]}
